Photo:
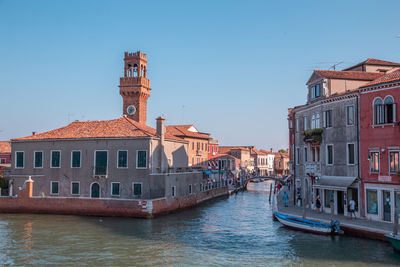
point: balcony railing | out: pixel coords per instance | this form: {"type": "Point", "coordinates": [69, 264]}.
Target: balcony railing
{"type": "Point", "coordinates": [199, 152]}
{"type": "Point", "coordinates": [100, 170]}
{"type": "Point", "coordinates": [314, 135]}
{"type": "Point", "coordinates": [313, 168]}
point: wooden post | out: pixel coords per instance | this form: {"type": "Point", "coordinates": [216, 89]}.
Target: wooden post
{"type": "Point", "coordinates": [270, 192]}
{"type": "Point", "coordinates": [332, 210]}
{"type": "Point", "coordinates": [396, 217]}
{"type": "Point", "coordinates": [304, 202]}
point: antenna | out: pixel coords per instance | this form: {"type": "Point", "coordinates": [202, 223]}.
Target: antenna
{"type": "Point", "coordinates": [334, 65]}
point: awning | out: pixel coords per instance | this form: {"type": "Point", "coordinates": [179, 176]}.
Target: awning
{"type": "Point", "coordinates": [334, 182]}
{"type": "Point", "coordinates": [207, 172]}
{"type": "Point", "coordinates": [214, 171]}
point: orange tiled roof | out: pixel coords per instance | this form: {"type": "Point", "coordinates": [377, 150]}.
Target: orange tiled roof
{"type": "Point", "coordinates": [117, 128]}
{"type": "Point", "coordinates": [349, 75]}
{"type": "Point", "coordinates": [5, 147]}
{"type": "Point", "coordinates": [183, 131]}
{"type": "Point", "coordinates": [374, 61]}
{"type": "Point", "coordinates": [388, 77]}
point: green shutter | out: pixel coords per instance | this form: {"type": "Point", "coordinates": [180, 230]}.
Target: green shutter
{"type": "Point", "coordinates": [137, 189]}
{"type": "Point", "coordinates": [19, 160]}
{"type": "Point", "coordinates": [115, 189]}
{"type": "Point", "coordinates": [101, 163]}
{"type": "Point", "coordinates": [122, 159]}
{"type": "Point", "coordinates": [54, 187]}
{"type": "Point", "coordinates": [38, 159]}
{"type": "Point", "coordinates": [76, 159]}
{"type": "Point", "coordinates": [142, 159]}
{"type": "Point", "coordinates": [75, 188]}
{"type": "Point", "coordinates": [55, 159]}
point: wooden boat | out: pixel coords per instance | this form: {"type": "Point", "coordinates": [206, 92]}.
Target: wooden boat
{"type": "Point", "coordinates": [394, 240]}
{"type": "Point", "coordinates": [308, 225]}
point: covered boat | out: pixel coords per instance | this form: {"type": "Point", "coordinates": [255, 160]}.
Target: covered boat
{"type": "Point", "coordinates": [394, 240]}
{"type": "Point", "coordinates": [308, 225]}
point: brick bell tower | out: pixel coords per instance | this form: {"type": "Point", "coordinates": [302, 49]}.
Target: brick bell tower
{"type": "Point", "coordinates": [134, 87]}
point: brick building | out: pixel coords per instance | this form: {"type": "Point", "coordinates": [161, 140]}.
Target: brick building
{"type": "Point", "coordinates": [5, 155]}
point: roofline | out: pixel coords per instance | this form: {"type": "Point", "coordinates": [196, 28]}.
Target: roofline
{"type": "Point", "coordinates": [94, 138]}
{"type": "Point", "coordinates": [364, 63]}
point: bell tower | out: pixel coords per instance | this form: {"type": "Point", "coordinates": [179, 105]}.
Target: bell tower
{"type": "Point", "coordinates": [134, 87]}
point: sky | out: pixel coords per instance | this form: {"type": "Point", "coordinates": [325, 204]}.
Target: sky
{"type": "Point", "coordinates": [231, 68]}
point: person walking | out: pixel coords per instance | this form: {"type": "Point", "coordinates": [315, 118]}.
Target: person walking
{"type": "Point", "coordinates": [352, 208]}
{"type": "Point", "coordinates": [318, 204]}
{"type": "Point", "coordinates": [285, 198]}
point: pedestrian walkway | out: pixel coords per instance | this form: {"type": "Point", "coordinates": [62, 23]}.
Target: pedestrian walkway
{"type": "Point", "coordinates": [360, 227]}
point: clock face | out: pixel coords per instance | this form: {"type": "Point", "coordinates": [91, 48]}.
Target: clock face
{"type": "Point", "coordinates": [131, 109]}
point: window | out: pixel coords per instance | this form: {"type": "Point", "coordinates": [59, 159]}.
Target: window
{"type": "Point", "coordinates": [122, 159]}
{"type": "Point", "coordinates": [329, 197]}
{"type": "Point", "coordinates": [100, 164]}
{"type": "Point", "coordinates": [192, 145]}
{"type": "Point", "coordinates": [115, 189]}
{"type": "Point", "coordinates": [75, 159]}
{"type": "Point", "coordinates": [19, 159]}
{"type": "Point", "coordinates": [350, 154]}
{"type": "Point", "coordinates": [305, 155]}
{"type": "Point", "coordinates": [305, 126]}
{"type": "Point", "coordinates": [297, 124]}
{"type": "Point", "coordinates": [384, 111]}
{"type": "Point", "coordinates": [350, 115]}
{"type": "Point", "coordinates": [190, 189]}
{"type": "Point", "coordinates": [329, 154]}
{"type": "Point", "coordinates": [141, 159]}
{"type": "Point", "coordinates": [75, 188]}
{"type": "Point", "coordinates": [313, 121]}
{"type": "Point", "coordinates": [374, 161]}
{"type": "Point", "coordinates": [137, 189]}
{"type": "Point", "coordinates": [297, 156]}
{"type": "Point", "coordinates": [316, 91]}
{"type": "Point", "coordinates": [55, 159]}
{"type": "Point", "coordinates": [38, 159]}
{"type": "Point", "coordinates": [54, 188]}
{"type": "Point", "coordinates": [328, 118]}
{"type": "Point", "coordinates": [372, 201]}
{"type": "Point", "coordinates": [394, 161]}
{"type": "Point", "coordinates": [173, 191]}
{"type": "Point", "coordinates": [317, 120]}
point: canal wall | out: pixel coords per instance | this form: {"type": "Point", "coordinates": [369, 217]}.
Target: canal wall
{"type": "Point", "coordinates": [26, 203]}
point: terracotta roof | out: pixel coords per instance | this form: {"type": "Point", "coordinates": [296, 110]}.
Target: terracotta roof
{"type": "Point", "coordinates": [222, 155]}
{"type": "Point", "coordinates": [117, 128]}
{"type": "Point", "coordinates": [267, 152]}
{"type": "Point", "coordinates": [373, 61]}
{"type": "Point", "coordinates": [5, 147]}
{"type": "Point", "coordinates": [257, 152]}
{"type": "Point", "coordinates": [183, 131]}
{"type": "Point", "coordinates": [349, 75]}
{"type": "Point", "coordinates": [388, 77]}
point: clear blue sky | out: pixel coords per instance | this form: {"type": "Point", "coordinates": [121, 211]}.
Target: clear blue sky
{"type": "Point", "coordinates": [232, 68]}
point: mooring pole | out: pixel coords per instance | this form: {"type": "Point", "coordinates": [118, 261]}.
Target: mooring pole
{"type": "Point", "coordinates": [396, 219]}
{"type": "Point", "coordinates": [270, 192]}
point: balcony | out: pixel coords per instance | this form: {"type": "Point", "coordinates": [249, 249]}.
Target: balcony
{"type": "Point", "coordinates": [313, 136]}
{"type": "Point", "coordinates": [100, 171]}
{"type": "Point", "coordinates": [199, 152]}
{"type": "Point", "coordinates": [312, 168]}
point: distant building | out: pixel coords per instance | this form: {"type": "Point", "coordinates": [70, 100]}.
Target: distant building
{"type": "Point", "coordinates": [212, 148]}
{"type": "Point", "coordinates": [242, 153]}
{"type": "Point", "coordinates": [260, 162]}
{"type": "Point", "coordinates": [281, 164]}
{"type": "Point", "coordinates": [5, 155]}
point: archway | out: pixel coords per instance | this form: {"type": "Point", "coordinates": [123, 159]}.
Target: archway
{"type": "Point", "coordinates": [95, 190]}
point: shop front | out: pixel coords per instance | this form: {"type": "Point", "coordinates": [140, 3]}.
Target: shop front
{"type": "Point", "coordinates": [380, 200]}
{"type": "Point", "coordinates": [337, 191]}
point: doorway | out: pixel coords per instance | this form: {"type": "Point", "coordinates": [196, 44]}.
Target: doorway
{"type": "Point", "coordinates": [340, 204]}
{"type": "Point", "coordinates": [95, 190]}
{"type": "Point", "coordinates": [386, 206]}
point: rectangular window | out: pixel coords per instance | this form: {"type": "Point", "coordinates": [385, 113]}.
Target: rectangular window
{"type": "Point", "coordinates": [137, 189]}
{"type": "Point", "coordinates": [350, 115]}
{"type": "Point", "coordinates": [372, 201]}
{"type": "Point", "coordinates": [55, 161]}
{"type": "Point", "coordinates": [75, 188]}
{"type": "Point", "coordinates": [141, 161]}
{"type": "Point", "coordinates": [19, 159]}
{"type": "Point", "coordinates": [305, 126]}
{"type": "Point", "coordinates": [122, 159]}
{"type": "Point", "coordinates": [317, 90]}
{"type": "Point", "coordinates": [329, 197]}
{"type": "Point", "coordinates": [313, 92]}
{"type": "Point", "coordinates": [374, 161]}
{"type": "Point", "coordinates": [100, 164]}
{"type": "Point", "coordinates": [328, 118]}
{"type": "Point", "coordinates": [115, 189]}
{"type": "Point", "coordinates": [297, 124]}
{"type": "Point", "coordinates": [297, 156]}
{"type": "Point", "coordinates": [394, 161]}
{"type": "Point", "coordinates": [75, 159]}
{"type": "Point", "coordinates": [350, 154]}
{"type": "Point", "coordinates": [305, 155]}
{"type": "Point", "coordinates": [173, 191]}
{"type": "Point", "coordinates": [190, 189]}
{"type": "Point", "coordinates": [38, 159]}
{"type": "Point", "coordinates": [54, 188]}
{"type": "Point", "coordinates": [329, 154]}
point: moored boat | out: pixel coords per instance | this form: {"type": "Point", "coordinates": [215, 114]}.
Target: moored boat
{"type": "Point", "coordinates": [308, 225]}
{"type": "Point", "coordinates": [394, 240]}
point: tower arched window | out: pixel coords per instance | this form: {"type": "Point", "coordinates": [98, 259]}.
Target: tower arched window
{"type": "Point", "coordinates": [129, 71]}
{"type": "Point", "coordinates": [378, 111]}
{"type": "Point", "coordinates": [145, 72]}
{"type": "Point", "coordinates": [390, 110]}
{"type": "Point", "coordinates": [135, 70]}
{"type": "Point", "coordinates": [141, 70]}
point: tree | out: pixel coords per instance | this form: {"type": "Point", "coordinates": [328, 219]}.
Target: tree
{"type": "Point", "coordinates": [282, 150]}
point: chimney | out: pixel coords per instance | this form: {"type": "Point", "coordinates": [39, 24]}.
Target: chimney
{"type": "Point", "coordinates": [34, 133]}
{"type": "Point", "coordinates": [160, 131]}
{"type": "Point", "coordinates": [270, 149]}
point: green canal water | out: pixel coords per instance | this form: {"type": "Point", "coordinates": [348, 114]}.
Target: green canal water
{"type": "Point", "coordinates": [236, 231]}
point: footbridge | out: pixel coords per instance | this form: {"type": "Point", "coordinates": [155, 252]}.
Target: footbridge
{"type": "Point", "coordinates": [281, 180]}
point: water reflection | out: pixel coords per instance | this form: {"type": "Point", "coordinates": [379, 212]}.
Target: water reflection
{"type": "Point", "coordinates": [235, 231]}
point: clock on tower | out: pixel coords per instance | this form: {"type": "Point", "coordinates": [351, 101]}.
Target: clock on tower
{"type": "Point", "coordinates": [134, 87]}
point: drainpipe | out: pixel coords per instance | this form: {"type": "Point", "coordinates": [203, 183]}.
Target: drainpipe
{"type": "Point", "coordinates": [360, 200]}
{"type": "Point", "coordinates": [294, 130]}
{"type": "Point", "coordinates": [161, 134]}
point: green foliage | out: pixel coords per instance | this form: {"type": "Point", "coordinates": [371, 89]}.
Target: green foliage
{"type": "Point", "coordinates": [398, 173]}
{"type": "Point", "coordinates": [313, 135]}
{"type": "Point", "coordinates": [3, 182]}
{"type": "Point", "coordinates": [282, 151]}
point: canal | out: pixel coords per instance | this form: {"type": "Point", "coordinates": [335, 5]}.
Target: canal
{"type": "Point", "coordinates": [237, 231]}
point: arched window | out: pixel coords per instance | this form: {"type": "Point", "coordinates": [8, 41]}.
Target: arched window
{"type": "Point", "coordinates": [135, 70]}
{"type": "Point", "coordinates": [390, 111]}
{"type": "Point", "coordinates": [313, 121]}
{"type": "Point", "coordinates": [129, 71]}
{"type": "Point", "coordinates": [145, 72]}
{"type": "Point", "coordinates": [317, 120]}
{"type": "Point", "coordinates": [95, 190]}
{"type": "Point", "coordinates": [378, 111]}
{"type": "Point", "coordinates": [141, 70]}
